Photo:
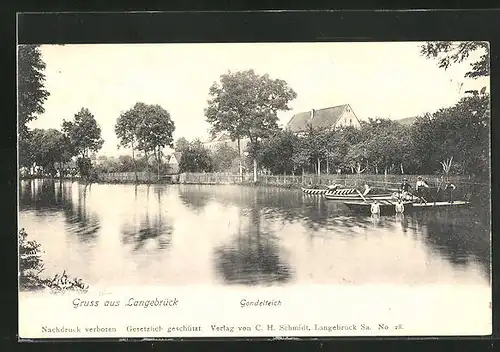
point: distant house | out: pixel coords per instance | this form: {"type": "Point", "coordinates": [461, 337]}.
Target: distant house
{"type": "Point", "coordinates": [407, 121]}
{"type": "Point", "coordinates": [173, 162]}
{"type": "Point", "coordinates": [327, 118]}
{"type": "Point", "coordinates": [222, 138]}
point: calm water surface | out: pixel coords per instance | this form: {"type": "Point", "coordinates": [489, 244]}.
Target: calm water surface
{"type": "Point", "coordinates": [185, 234]}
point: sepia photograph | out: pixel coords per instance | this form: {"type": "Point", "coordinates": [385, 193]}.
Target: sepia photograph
{"type": "Point", "coordinates": [254, 189]}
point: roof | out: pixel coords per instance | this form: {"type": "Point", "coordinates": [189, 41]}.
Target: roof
{"type": "Point", "coordinates": [407, 121]}
{"type": "Point", "coordinates": [321, 118]}
{"type": "Point", "coordinates": [177, 156]}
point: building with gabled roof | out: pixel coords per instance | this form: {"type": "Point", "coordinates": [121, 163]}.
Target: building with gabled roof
{"type": "Point", "coordinates": [327, 118]}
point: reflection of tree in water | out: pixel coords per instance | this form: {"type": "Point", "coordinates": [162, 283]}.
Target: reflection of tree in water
{"type": "Point", "coordinates": [49, 195]}
{"type": "Point", "coordinates": [254, 258]}
{"type": "Point", "coordinates": [195, 197]}
{"type": "Point", "coordinates": [318, 214]}
{"type": "Point", "coordinates": [41, 195]}
{"type": "Point", "coordinates": [79, 220]}
{"type": "Point", "coordinates": [150, 228]}
{"type": "Point", "coordinates": [461, 236]}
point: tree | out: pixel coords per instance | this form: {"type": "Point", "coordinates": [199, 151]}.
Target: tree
{"type": "Point", "coordinates": [181, 144]}
{"type": "Point", "coordinates": [277, 152]}
{"type": "Point", "coordinates": [126, 130]}
{"type": "Point", "coordinates": [448, 53]}
{"type": "Point", "coordinates": [245, 104]}
{"type": "Point", "coordinates": [196, 158]}
{"type": "Point", "coordinates": [316, 146]}
{"type": "Point", "coordinates": [84, 134]}
{"type": "Point", "coordinates": [31, 85]}
{"type": "Point", "coordinates": [49, 147]}
{"type": "Point", "coordinates": [223, 157]}
{"type": "Point", "coordinates": [154, 131]}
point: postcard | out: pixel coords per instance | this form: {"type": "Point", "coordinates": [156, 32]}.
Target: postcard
{"type": "Point", "coordinates": [321, 189]}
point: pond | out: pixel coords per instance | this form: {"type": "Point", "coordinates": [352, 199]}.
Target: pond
{"type": "Point", "coordinates": [122, 235]}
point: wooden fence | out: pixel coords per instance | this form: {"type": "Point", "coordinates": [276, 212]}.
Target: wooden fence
{"type": "Point", "coordinates": [126, 176]}
{"type": "Point", "coordinates": [347, 180]}
{"type": "Point", "coordinates": [351, 180]}
{"type": "Point", "coordinates": [142, 176]}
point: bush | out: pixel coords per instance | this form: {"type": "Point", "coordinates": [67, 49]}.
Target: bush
{"type": "Point", "coordinates": [31, 266]}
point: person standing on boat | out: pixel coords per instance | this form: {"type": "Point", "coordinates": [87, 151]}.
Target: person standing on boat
{"type": "Point", "coordinates": [405, 189]}
{"type": "Point", "coordinates": [451, 187]}
{"type": "Point", "coordinates": [366, 190]}
{"type": "Point", "coordinates": [420, 188]}
{"type": "Point", "coordinates": [399, 207]}
{"type": "Point", "coordinates": [375, 208]}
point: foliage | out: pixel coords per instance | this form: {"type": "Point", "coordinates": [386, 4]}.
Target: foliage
{"type": "Point", "coordinates": [224, 157]}
{"type": "Point", "coordinates": [126, 128]}
{"type": "Point", "coordinates": [460, 132]}
{"type": "Point", "coordinates": [278, 151]}
{"type": "Point", "coordinates": [153, 131]}
{"type": "Point", "coordinates": [181, 144]}
{"type": "Point", "coordinates": [84, 167]}
{"type": "Point", "coordinates": [46, 147]}
{"type": "Point", "coordinates": [155, 127]}
{"type": "Point", "coordinates": [123, 163]}
{"type": "Point", "coordinates": [196, 158]}
{"type": "Point", "coordinates": [448, 53]}
{"type": "Point", "coordinates": [245, 104]}
{"type": "Point", "coordinates": [31, 85]}
{"type": "Point", "coordinates": [31, 266]}
{"type": "Point", "coordinates": [83, 133]}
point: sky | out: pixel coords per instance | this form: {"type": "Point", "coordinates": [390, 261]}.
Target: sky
{"type": "Point", "coordinates": [388, 80]}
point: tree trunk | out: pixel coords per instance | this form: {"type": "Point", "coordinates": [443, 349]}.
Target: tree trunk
{"type": "Point", "coordinates": [303, 173]}
{"type": "Point", "coordinates": [319, 167]}
{"type": "Point", "coordinates": [239, 161]}
{"type": "Point", "coordinates": [327, 167]}
{"type": "Point", "coordinates": [158, 161]}
{"type": "Point", "coordinates": [135, 166]}
{"type": "Point", "coordinates": [61, 171]}
{"type": "Point", "coordinates": [254, 169]}
{"type": "Point", "coordinates": [147, 166]}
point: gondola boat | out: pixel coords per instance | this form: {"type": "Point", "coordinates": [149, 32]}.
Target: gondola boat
{"type": "Point", "coordinates": [352, 194]}
{"type": "Point", "coordinates": [387, 207]}
{"type": "Point", "coordinates": [315, 191]}
{"type": "Point", "coordinates": [456, 203]}
{"type": "Point", "coordinates": [321, 191]}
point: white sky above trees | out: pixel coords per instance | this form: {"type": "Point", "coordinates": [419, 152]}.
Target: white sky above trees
{"type": "Point", "coordinates": [389, 80]}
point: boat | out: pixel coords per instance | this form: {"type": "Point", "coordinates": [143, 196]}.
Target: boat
{"type": "Point", "coordinates": [314, 191]}
{"type": "Point", "coordinates": [321, 191]}
{"type": "Point", "coordinates": [455, 203]}
{"type": "Point", "coordinates": [352, 194]}
{"type": "Point", "coordinates": [387, 207]}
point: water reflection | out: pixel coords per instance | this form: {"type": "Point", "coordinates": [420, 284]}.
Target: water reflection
{"type": "Point", "coordinates": [459, 235]}
{"type": "Point", "coordinates": [245, 235]}
{"type": "Point", "coordinates": [79, 219]}
{"type": "Point", "coordinates": [42, 195]}
{"type": "Point", "coordinates": [195, 198]}
{"type": "Point", "coordinates": [253, 256]}
{"type": "Point", "coordinates": [147, 225]}
{"type": "Point", "coordinates": [49, 196]}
